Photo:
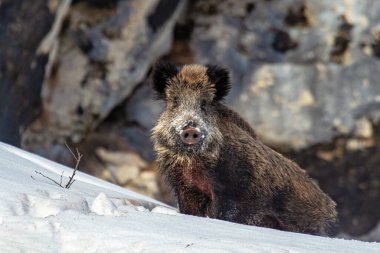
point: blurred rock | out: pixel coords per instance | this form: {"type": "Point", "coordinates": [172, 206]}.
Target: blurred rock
{"type": "Point", "coordinates": [124, 166]}
{"type": "Point", "coordinates": [300, 105]}
{"type": "Point", "coordinates": [139, 139]}
{"type": "Point", "coordinates": [294, 97]}
{"type": "Point", "coordinates": [141, 111]}
{"type": "Point", "coordinates": [307, 69]}
{"type": "Point", "coordinates": [127, 169]}
{"type": "Point", "coordinates": [121, 158]}
{"type": "Point", "coordinates": [28, 33]}
{"type": "Point", "coordinates": [359, 144]}
{"type": "Point", "coordinates": [142, 108]}
{"type": "Point", "coordinates": [363, 128]}
{"type": "Point", "coordinates": [104, 54]}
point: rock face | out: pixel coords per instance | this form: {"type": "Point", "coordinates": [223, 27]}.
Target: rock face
{"type": "Point", "coordinates": [142, 111]}
{"type": "Point", "coordinates": [26, 27]}
{"type": "Point", "coordinates": [297, 106]}
{"type": "Point", "coordinates": [106, 50]}
{"type": "Point", "coordinates": [302, 70]}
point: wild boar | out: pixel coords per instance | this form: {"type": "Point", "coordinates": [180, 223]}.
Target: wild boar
{"type": "Point", "coordinates": [216, 165]}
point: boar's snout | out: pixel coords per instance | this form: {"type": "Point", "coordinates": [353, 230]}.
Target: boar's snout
{"type": "Point", "coordinates": [190, 135]}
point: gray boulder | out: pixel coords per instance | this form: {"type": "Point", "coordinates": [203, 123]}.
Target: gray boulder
{"type": "Point", "coordinates": [105, 51]}
{"type": "Point", "coordinates": [303, 72]}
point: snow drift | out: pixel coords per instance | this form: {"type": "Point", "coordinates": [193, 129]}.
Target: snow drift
{"type": "Point", "coordinates": [37, 215]}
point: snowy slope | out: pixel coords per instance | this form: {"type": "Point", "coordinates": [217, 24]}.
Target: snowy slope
{"type": "Point", "coordinates": [95, 216]}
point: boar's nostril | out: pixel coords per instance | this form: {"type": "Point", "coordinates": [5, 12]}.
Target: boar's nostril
{"type": "Point", "coordinates": [190, 135]}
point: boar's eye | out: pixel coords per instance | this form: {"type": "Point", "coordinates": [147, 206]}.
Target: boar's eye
{"type": "Point", "coordinates": [203, 105]}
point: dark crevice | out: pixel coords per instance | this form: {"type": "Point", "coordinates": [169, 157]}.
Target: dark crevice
{"type": "Point", "coordinates": [282, 42]}
{"type": "Point", "coordinates": [341, 41]}
{"type": "Point", "coordinates": [249, 8]}
{"type": "Point", "coordinates": [205, 7]}
{"type": "Point", "coordinates": [376, 48]}
{"type": "Point", "coordinates": [163, 12]}
{"type": "Point", "coordinates": [84, 42]}
{"type": "Point", "coordinates": [80, 110]}
{"type": "Point", "coordinates": [181, 52]}
{"type": "Point", "coordinates": [297, 17]}
{"type": "Point", "coordinates": [98, 3]}
{"type": "Point", "coordinates": [183, 31]}
{"type": "Point", "coordinates": [375, 44]}
{"type": "Point", "coordinates": [21, 69]}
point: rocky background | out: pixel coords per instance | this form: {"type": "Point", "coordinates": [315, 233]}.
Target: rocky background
{"type": "Point", "coordinates": [305, 76]}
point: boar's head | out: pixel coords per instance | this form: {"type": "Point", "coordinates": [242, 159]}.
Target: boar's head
{"type": "Point", "coordinates": [189, 123]}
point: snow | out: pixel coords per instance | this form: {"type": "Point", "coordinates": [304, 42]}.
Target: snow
{"type": "Point", "coordinates": [37, 215]}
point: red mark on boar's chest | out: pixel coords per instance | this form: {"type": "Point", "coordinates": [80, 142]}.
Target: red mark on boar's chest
{"type": "Point", "coordinates": [198, 177]}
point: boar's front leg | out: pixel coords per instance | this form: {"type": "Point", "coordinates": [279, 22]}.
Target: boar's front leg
{"type": "Point", "coordinates": [193, 202]}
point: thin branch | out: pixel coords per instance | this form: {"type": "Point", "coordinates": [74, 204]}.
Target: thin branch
{"type": "Point", "coordinates": [60, 182]}
{"type": "Point", "coordinates": [71, 183]}
{"type": "Point", "coordinates": [49, 178]}
{"type": "Point", "coordinates": [67, 146]}
{"type": "Point", "coordinates": [77, 158]}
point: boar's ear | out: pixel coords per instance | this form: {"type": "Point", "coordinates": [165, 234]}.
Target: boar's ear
{"type": "Point", "coordinates": [162, 72]}
{"type": "Point", "coordinates": [220, 77]}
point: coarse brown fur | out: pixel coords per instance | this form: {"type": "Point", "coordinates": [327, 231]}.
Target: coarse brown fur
{"type": "Point", "coordinates": [230, 174]}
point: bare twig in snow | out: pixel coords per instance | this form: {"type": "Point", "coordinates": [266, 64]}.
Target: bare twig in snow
{"type": "Point", "coordinates": [60, 182]}
{"type": "Point", "coordinates": [48, 178]}
{"type": "Point", "coordinates": [77, 158]}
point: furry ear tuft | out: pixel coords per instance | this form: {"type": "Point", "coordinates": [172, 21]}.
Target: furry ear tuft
{"type": "Point", "coordinates": [162, 72]}
{"type": "Point", "coordinates": [220, 77]}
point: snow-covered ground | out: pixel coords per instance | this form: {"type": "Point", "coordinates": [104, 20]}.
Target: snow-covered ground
{"type": "Point", "coordinates": [37, 215]}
